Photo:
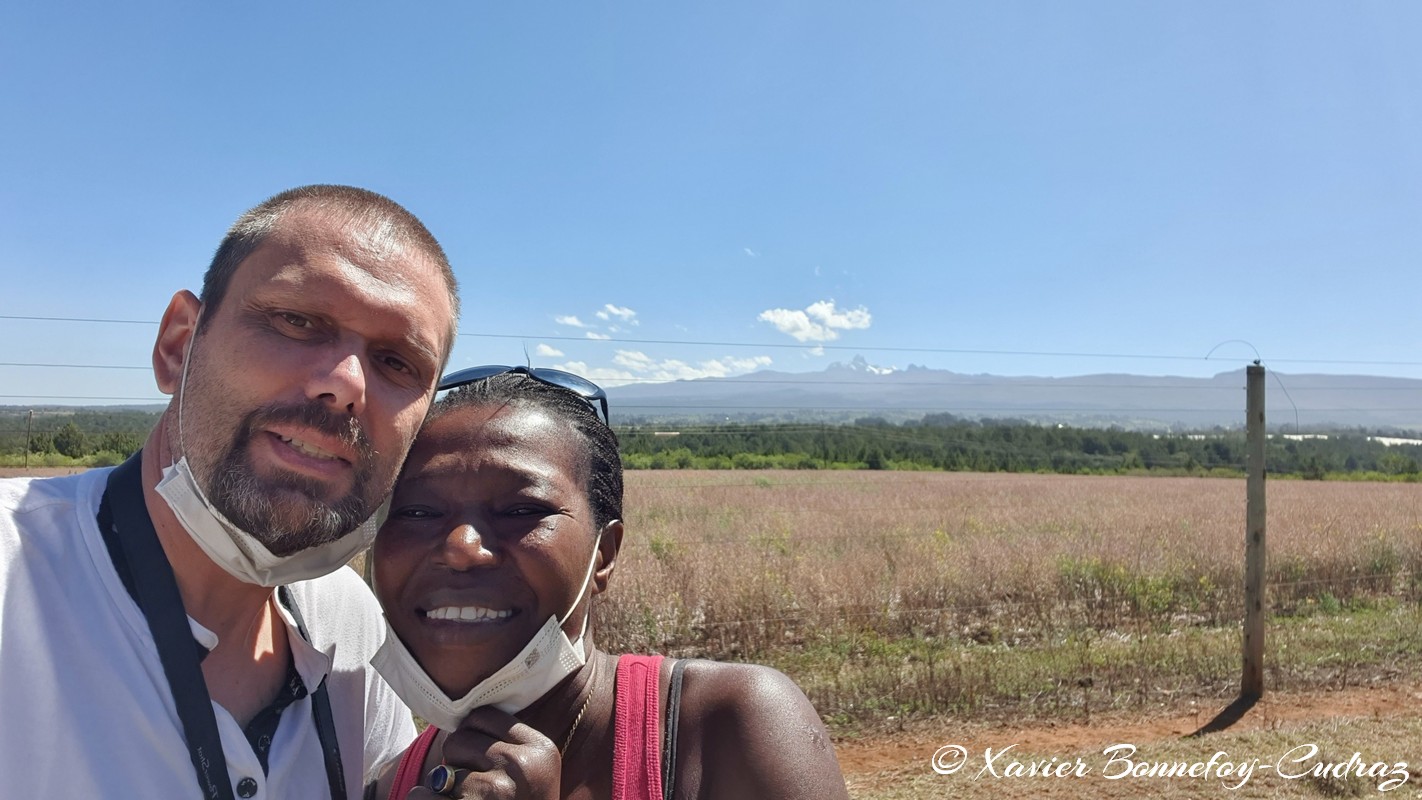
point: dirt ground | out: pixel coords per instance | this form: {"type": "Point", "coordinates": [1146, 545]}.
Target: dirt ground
{"type": "Point", "coordinates": [39, 472]}
{"type": "Point", "coordinates": [885, 751]}
{"type": "Point", "coordinates": [1378, 719]}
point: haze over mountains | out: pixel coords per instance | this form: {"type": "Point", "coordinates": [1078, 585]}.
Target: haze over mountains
{"type": "Point", "coordinates": [847, 391]}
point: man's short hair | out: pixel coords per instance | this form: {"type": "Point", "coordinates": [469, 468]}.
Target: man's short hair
{"type": "Point", "coordinates": [360, 206]}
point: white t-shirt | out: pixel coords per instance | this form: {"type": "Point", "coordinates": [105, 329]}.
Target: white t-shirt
{"type": "Point", "coordinates": [85, 707]}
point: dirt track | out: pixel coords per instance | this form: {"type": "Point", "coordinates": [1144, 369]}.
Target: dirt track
{"type": "Point", "coordinates": [913, 747]}
{"type": "Point", "coordinates": [39, 472]}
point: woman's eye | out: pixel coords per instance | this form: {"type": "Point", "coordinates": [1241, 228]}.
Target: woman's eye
{"type": "Point", "coordinates": [527, 511]}
{"type": "Point", "coordinates": [413, 513]}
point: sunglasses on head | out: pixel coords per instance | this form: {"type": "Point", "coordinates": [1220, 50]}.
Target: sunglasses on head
{"type": "Point", "coordinates": [590, 392]}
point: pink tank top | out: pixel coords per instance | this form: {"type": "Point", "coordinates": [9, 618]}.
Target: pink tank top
{"type": "Point", "coordinates": [637, 736]}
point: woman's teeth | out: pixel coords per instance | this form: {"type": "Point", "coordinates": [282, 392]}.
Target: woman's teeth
{"type": "Point", "coordinates": [467, 613]}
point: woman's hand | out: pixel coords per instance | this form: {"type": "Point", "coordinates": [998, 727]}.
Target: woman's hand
{"type": "Point", "coordinates": [497, 757]}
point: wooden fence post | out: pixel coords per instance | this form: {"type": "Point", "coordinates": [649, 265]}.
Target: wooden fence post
{"type": "Point", "coordinates": [1252, 684]}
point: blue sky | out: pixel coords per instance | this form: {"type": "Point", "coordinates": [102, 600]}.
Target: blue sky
{"type": "Point", "coordinates": [718, 187]}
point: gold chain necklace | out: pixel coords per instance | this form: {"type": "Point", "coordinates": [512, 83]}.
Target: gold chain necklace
{"type": "Point", "coordinates": [567, 740]}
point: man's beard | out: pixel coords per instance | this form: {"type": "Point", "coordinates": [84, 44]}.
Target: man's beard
{"type": "Point", "coordinates": [287, 525]}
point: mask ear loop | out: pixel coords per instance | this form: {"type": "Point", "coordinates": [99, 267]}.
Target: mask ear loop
{"type": "Point", "coordinates": [587, 578]}
{"type": "Point", "coordinates": [182, 401]}
{"type": "Point", "coordinates": [183, 384]}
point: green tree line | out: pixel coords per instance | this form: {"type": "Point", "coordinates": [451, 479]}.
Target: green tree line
{"type": "Point", "coordinates": [943, 442]}
{"type": "Point", "coordinates": [935, 442]}
{"type": "Point", "coordinates": [92, 436]}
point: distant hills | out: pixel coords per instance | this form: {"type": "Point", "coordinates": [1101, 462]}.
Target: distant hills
{"type": "Point", "coordinates": [857, 389]}
{"type": "Point", "coordinates": [845, 392]}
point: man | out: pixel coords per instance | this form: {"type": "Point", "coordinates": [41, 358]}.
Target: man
{"type": "Point", "coordinates": [298, 382]}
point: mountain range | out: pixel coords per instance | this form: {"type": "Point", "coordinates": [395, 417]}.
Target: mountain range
{"type": "Point", "coordinates": [1295, 402]}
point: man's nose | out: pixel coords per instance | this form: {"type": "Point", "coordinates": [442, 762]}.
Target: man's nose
{"type": "Point", "coordinates": [340, 381]}
{"type": "Point", "coordinates": [465, 549]}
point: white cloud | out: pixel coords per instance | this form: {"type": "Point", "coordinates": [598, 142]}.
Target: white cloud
{"type": "Point", "coordinates": [832, 317]}
{"type": "Point", "coordinates": [796, 324]}
{"type": "Point", "coordinates": [600, 375]}
{"type": "Point", "coordinates": [746, 364]}
{"type": "Point", "coordinates": [647, 368]}
{"type": "Point", "coordinates": [621, 312]}
{"type": "Point", "coordinates": [819, 322]}
{"type": "Point", "coordinates": [596, 335]}
{"type": "Point", "coordinates": [816, 351]}
{"type": "Point", "coordinates": [569, 320]}
{"type": "Point", "coordinates": [750, 252]}
{"type": "Point", "coordinates": [545, 351]}
{"type": "Point", "coordinates": [633, 359]}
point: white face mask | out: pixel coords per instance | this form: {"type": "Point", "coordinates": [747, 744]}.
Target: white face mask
{"type": "Point", "coordinates": [240, 553]}
{"type": "Point", "coordinates": [235, 550]}
{"type": "Point", "coordinates": [544, 662]}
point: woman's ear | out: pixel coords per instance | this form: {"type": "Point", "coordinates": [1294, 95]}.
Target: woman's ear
{"type": "Point", "coordinates": [608, 546]}
{"type": "Point", "coordinates": [175, 331]}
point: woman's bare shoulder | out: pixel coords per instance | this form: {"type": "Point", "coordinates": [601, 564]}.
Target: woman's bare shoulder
{"type": "Point", "coordinates": [757, 734]}
{"type": "Point", "coordinates": [749, 691]}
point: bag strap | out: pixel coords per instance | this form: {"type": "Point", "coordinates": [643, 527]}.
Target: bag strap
{"type": "Point", "coordinates": [143, 567]}
{"type": "Point", "coordinates": [669, 730]}
{"type": "Point", "coordinates": [321, 712]}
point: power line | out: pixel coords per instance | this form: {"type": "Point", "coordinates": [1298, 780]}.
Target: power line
{"type": "Point", "coordinates": [73, 366]}
{"type": "Point", "coordinates": [820, 346]}
{"type": "Point", "coordinates": [80, 319]}
{"type": "Point", "coordinates": [80, 397]}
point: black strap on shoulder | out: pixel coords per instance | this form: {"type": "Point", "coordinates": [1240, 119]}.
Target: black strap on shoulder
{"type": "Point", "coordinates": [321, 711]}
{"type": "Point", "coordinates": [123, 516]}
{"type": "Point", "coordinates": [669, 730]}
{"type": "Point", "coordinates": [143, 566]}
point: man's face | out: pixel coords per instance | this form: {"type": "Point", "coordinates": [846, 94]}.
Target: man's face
{"type": "Point", "coordinates": [307, 384]}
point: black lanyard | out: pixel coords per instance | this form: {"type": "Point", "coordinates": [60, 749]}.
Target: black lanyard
{"type": "Point", "coordinates": [139, 559]}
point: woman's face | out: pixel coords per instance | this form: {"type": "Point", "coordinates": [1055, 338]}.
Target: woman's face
{"type": "Point", "coordinates": [490, 533]}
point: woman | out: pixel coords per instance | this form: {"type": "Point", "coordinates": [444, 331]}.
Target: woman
{"type": "Point", "coordinates": [505, 524]}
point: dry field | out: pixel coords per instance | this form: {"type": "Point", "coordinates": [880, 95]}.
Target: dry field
{"type": "Point", "coordinates": [1063, 614]}
{"type": "Point", "coordinates": [894, 596]}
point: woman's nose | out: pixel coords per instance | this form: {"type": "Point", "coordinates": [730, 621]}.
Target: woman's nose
{"type": "Point", "coordinates": [465, 548]}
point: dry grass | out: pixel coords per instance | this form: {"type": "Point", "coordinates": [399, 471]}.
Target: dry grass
{"type": "Point", "coordinates": [911, 593]}
{"type": "Point", "coordinates": [892, 596]}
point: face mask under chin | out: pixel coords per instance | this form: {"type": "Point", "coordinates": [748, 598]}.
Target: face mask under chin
{"type": "Point", "coordinates": [548, 658]}
{"type": "Point", "coordinates": [240, 553]}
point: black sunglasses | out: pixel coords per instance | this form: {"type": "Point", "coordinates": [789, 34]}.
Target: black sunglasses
{"type": "Point", "coordinates": [578, 385]}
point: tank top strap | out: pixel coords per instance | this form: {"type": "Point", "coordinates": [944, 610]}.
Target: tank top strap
{"type": "Point", "coordinates": [412, 763]}
{"type": "Point", "coordinates": [637, 741]}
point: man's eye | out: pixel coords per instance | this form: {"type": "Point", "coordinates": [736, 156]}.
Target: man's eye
{"type": "Point", "coordinates": [398, 364]}
{"type": "Point", "coordinates": [294, 320]}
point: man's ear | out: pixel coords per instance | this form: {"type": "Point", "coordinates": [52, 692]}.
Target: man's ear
{"type": "Point", "coordinates": [170, 351]}
{"type": "Point", "coordinates": [607, 549]}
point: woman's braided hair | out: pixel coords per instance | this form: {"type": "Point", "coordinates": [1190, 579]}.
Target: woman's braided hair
{"type": "Point", "coordinates": [603, 465]}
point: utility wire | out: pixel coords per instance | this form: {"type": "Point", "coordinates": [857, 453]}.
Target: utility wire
{"type": "Point", "coordinates": [804, 346]}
